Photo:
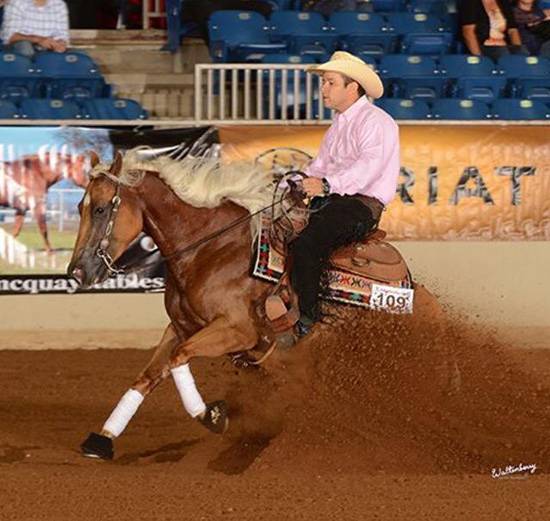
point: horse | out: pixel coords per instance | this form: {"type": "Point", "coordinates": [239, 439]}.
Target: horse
{"type": "Point", "coordinates": [24, 184]}
{"type": "Point", "coordinates": [210, 297]}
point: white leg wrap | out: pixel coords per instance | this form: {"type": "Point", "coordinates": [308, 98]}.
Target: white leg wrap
{"type": "Point", "coordinates": [123, 412]}
{"type": "Point", "coordinates": [185, 383]}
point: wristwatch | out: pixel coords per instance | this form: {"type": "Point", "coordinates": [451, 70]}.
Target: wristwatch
{"type": "Point", "coordinates": [326, 187]}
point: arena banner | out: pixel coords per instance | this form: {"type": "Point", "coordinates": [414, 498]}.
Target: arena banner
{"type": "Point", "coordinates": [43, 172]}
{"type": "Point", "coordinates": [457, 182]}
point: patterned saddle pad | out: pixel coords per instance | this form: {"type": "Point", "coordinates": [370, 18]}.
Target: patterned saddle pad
{"type": "Point", "coordinates": [344, 285]}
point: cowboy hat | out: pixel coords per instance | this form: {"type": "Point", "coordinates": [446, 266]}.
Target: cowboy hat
{"type": "Point", "coordinates": [355, 68]}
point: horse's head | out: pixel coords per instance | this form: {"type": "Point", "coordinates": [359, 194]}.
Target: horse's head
{"type": "Point", "coordinates": [111, 217]}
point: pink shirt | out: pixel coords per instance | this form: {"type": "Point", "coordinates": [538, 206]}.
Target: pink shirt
{"type": "Point", "coordinates": [359, 153]}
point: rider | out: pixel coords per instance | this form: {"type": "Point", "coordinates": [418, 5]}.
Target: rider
{"type": "Point", "coordinates": [352, 179]}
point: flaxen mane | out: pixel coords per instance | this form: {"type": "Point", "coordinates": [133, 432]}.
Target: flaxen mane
{"type": "Point", "coordinates": [200, 182]}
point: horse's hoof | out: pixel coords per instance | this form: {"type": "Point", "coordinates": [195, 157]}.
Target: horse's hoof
{"type": "Point", "coordinates": [97, 446]}
{"type": "Point", "coordinates": [215, 417]}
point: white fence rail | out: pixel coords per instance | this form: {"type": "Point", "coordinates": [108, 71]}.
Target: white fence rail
{"type": "Point", "coordinates": [152, 9]}
{"type": "Point", "coordinates": [258, 94]}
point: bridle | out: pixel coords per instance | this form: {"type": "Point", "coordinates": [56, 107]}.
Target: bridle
{"type": "Point", "coordinates": [104, 243]}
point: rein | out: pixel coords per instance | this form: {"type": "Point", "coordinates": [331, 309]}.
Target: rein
{"type": "Point", "coordinates": [108, 261]}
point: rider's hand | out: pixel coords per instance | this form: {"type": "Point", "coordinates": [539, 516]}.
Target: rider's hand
{"type": "Point", "coordinates": [313, 186]}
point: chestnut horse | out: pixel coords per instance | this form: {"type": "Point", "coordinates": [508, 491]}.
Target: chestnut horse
{"type": "Point", "coordinates": [24, 184]}
{"type": "Point", "coordinates": [210, 298]}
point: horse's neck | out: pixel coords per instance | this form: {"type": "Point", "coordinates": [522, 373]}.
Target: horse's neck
{"type": "Point", "coordinates": [173, 224]}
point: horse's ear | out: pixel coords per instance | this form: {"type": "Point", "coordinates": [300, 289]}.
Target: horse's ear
{"type": "Point", "coordinates": [94, 159]}
{"type": "Point", "coordinates": [116, 166]}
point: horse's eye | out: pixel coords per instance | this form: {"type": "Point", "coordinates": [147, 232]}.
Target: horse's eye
{"type": "Point", "coordinates": [99, 210]}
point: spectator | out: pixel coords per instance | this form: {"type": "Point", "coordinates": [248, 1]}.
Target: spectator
{"type": "Point", "coordinates": [36, 25]}
{"type": "Point", "coordinates": [488, 28]}
{"type": "Point", "coordinates": [533, 26]}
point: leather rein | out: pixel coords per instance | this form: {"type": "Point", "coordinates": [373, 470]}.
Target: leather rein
{"type": "Point", "coordinates": [104, 243]}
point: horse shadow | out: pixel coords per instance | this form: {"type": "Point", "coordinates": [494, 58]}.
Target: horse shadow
{"type": "Point", "coordinates": [169, 453]}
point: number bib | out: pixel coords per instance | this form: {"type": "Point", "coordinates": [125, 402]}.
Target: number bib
{"type": "Point", "coordinates": [393, 300]}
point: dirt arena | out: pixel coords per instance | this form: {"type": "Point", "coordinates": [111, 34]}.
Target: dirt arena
{"type": "Point", "coordinates": [399, 419]}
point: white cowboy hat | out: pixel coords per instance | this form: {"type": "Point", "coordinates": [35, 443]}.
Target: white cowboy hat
{"type": "Point", "coordinates": [355, 68]}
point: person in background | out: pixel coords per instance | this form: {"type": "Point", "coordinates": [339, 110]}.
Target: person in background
{"type": "Point", "coordinates": [489, 28]}
{"type": "Point", "coordinates": [35, 25]}
{"type": "Point", "coordinates": [534, 27]}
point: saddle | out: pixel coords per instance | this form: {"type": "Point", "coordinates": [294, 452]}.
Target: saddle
{"type": "Point", "coordinates": [372, 259]}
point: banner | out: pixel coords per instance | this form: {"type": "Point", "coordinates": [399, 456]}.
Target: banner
{"type": "Point", "coordinates": [457, 182]}
{"type": "Point", "coordinates": [43, 172]}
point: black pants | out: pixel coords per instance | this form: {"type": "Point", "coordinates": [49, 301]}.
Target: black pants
{"type": "Point", "coordinates": [340, 221]}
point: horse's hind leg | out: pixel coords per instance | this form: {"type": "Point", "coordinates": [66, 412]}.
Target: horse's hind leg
{"type": "Point", "coordinates": [218, 338]}
{"type": "Point", "coordinates": [101, 445]}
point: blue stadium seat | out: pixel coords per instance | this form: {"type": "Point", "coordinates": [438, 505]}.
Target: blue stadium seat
{"type": "Point", "coordinates": [462, 109]}
{"type": "Point", "coordinates": [404, 108]}
{"type": "Point", "coordinates": [69, 75]}
{"type": "Point", "coordinates": [436, 7]}
{"type": "Point", "coordinates": [388, 5]}
{"type": "Point", "coordinates": [520, 109]}
{"type": "Point", "coordinates": [363, 33]}
{"type": "Point", "coordinates": [33, 108]}
{"type": "Point", "coordinates": [303, 32]}
{"type": "Point", "coordinates": [525, 72]}
{"type": "Point", "coordinates": [421, 33]}
{"type": "Point", "coordinates": [411, 76]}
{"type": "Point", "coordinates": [110, 108]}
{"type": "Point", "coordinates": [237, 36]}
{"type": "Point", "coordinates": [18, 78]}
{"type": "Point", "coordinates": [8, 110]}
{"type": "Point", "coordinates": [473, 77]}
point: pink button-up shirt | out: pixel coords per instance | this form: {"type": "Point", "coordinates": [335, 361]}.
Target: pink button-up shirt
{"type": "Point", "coordinates": [359, 153]}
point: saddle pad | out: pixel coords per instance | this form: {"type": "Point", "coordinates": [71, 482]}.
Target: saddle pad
{"type": "Point", "coordinates": [342, 286]}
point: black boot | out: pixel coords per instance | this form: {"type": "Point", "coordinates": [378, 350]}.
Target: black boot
{"type": "Point", "coordinates": [97, 446]}
{"type": "Point", "coordinates": [215, 417]}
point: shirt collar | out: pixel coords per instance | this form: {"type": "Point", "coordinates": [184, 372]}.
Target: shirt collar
{"type": "Point", "coordinates": [352, 111]}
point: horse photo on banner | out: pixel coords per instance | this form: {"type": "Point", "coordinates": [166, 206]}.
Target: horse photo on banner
{"type": "Point", "coordinates": [43, 174]}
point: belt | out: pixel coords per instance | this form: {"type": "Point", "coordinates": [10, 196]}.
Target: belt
{"type": "Point", "coordinates": [375, 206]}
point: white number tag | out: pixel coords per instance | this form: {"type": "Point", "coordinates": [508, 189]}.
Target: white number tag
{"type": "Point", "coordinates": [394, 300]}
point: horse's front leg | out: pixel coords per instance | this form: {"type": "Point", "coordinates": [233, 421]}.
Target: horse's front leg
{"type": "Point", "coordinates": [101, 445]}
{"type": "Point", "coordinates": [218, 338]}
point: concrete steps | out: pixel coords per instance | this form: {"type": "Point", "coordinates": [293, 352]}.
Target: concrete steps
{"type": "Point", "coordinates": [138, 67]}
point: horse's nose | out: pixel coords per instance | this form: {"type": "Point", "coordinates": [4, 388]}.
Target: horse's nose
{"type": "Point", "coordinates": [78, 274]}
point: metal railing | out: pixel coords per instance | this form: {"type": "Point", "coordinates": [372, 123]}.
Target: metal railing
{"type": "Point", "coordinates": [258, 94]}
{"type": "Point", "coordinates": [154, 9]}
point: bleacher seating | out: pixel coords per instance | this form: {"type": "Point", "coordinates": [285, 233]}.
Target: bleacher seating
{"type": "Point", "coordinates": [404, 108]}
{"type": "Point", "coordinates": [34, 108]}
{"type": "Point", "coordinates": [302, 32]}
{"type": "Point", "coordinates": [240, 36]}
{"type": "Point", "coordinates": [460, 109]}
{"type": "Point", "coordinates": [52, 86]}
{"type": "Point", "coordinates": [18, 78]}
{"type": "Point", "coordinates": [110, 108]}
{"type": "Point", "coordinates": [411, 76]}
{"type": "Point", "coordinates": [69, 75]}
{"type": "Point", "coordinates": [522, 109]}
{"type": "Point", "coordinates": [472, 77]}
{"type": "Point", "coordinates": [8, 110]}
{"type": "Point", "coordinates": [362, 33]}
{"type": "Point", "coordinates": [412, 48]}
